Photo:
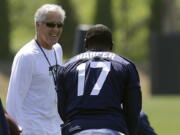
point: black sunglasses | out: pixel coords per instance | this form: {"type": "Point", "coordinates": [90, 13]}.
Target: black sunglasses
{"type": "Point", "coordinates": [52, 25]}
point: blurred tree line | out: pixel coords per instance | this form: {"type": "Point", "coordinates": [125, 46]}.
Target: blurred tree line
{"type": "Point", "coordinates": [4, 29]}
{"type": "Point", "coordinates": [132, 23]}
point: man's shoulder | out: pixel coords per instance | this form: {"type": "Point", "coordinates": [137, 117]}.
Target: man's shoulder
{"type": "Point", "coordinates": [57, 46]}
{"type": "Point", "coordinates": [58, 49]}
{"type": "Point", "coordinates": [28, 50]}
{"type": "Point", "coordinates": [122, 60]}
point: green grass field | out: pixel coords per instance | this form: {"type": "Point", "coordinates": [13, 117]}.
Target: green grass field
{"type": "Point", "coordinates": [163, 112]}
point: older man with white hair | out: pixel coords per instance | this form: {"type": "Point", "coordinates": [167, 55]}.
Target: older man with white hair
{"type": "Point", "coordinates": [31, 98]}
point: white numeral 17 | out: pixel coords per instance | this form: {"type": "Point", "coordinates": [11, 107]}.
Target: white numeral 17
{"type": "Point", "coordinates": [100, 80]}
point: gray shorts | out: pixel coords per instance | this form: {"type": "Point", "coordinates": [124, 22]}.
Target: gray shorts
{"type": "Point", "coordinates": [99, 132]}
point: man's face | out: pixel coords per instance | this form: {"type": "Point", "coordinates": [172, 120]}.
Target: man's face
{"type": "Point", "coordinates": [49, 31]}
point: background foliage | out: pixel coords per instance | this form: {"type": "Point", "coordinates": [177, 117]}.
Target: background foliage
{"type": "Point", "coordinates": [128, 20]}
{"type": "Point", "coordinates": [5, 31]}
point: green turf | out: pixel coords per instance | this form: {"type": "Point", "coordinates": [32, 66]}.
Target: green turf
{"type": "Point", "coordinates": [164, 113]}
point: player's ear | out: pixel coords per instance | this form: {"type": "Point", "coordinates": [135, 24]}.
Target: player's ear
{"type": "Point", "coordinates": [37, 24]}
{"type": "Point", "coordinates": [85, 43]}
{"type": "Point", "coordinates": [111, 46]}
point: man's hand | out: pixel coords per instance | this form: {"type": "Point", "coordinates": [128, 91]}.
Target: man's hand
{"type": "Point", "coordinates": [13, 127]}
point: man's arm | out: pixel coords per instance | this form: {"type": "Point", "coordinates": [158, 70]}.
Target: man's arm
{"type": "Point", "coordinates": [60, 93]}
{"type": "Point", "coordinates": [132, 100]}
{"type": "Point", "coordinates": [132, 109]}
{"type": "Point", "coordinates": [20, 79]}
{"type": "Point", "coordinates": [13, 127]}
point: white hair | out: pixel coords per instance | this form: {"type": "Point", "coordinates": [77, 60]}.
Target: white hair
{"type": "Point", "coordinates": [41, 13]}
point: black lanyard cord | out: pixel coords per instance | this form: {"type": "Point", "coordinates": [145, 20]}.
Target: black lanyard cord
{"type": "Point", "coordinates": [50, 66]}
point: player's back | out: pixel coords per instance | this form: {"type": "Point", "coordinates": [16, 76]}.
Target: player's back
{"type": "Point", "coordinates": [95, 83]}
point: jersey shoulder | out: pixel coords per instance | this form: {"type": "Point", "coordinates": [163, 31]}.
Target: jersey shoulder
{"type": "Point", "coordinates": [99, 55]}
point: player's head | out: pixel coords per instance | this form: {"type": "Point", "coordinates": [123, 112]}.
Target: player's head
{"type": "Point", "coordinates": [99, 37]}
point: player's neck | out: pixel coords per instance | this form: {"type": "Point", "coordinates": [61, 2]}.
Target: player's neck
{"type": "Point", "coordinates": [99, 49]}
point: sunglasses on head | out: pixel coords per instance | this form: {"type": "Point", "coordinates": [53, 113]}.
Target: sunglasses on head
{"type": "Point", "coordinates": [53, 25]}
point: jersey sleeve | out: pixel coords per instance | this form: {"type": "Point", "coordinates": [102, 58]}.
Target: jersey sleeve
{"type": "Point", "coordinates": [60, 93]}
{"type": "Point", "coordinates": [20, 80]}
{"type": "Point", "coordinates": [133, 99]}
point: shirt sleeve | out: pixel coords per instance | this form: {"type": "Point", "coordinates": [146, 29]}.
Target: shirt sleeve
{"type": "Point", "coordinates": [133, 99]}
{"type": "Point", "coordinates": [61, 55]}
{"type": "Point", "coordinates": [61, 93]}
{"type": "Point", "coordinates": [20, 80]}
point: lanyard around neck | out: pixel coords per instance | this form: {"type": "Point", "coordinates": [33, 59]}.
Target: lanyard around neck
{"type": "Point", "coordinates": [50, 66]}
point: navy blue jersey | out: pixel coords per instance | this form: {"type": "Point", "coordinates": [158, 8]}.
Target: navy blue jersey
{"type": "Point", "coordinates": [91, 88]}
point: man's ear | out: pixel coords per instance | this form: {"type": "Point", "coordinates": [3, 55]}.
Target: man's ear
{"type": "Point", "coordinates": [85, 43]}
{"type": "Point", "coordinates": [111, 48]}
{"type": "Point", "coordinates": [37, 24]}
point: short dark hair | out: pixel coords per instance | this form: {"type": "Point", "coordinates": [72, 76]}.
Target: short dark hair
{"type": "Point", "coordinates": [99, 35]}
